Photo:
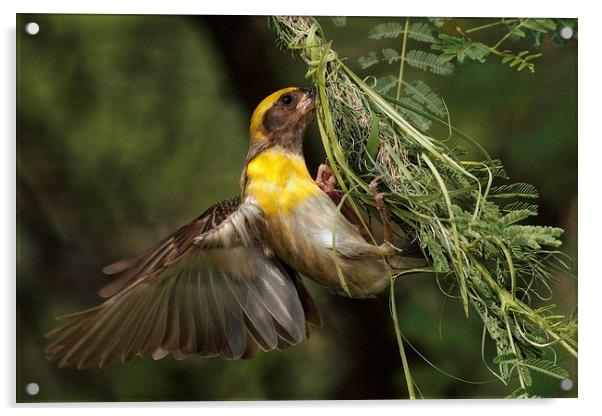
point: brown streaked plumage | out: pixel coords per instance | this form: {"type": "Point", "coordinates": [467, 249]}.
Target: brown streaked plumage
{"type": "Point", "coordinates": [228, 283]}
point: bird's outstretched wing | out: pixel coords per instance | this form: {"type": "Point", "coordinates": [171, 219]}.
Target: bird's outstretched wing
{"type": "Point", "coordinates": [208, 289]}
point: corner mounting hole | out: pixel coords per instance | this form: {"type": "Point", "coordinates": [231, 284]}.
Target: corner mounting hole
{"type": "Point", "coordinates": [32, 28]}
{"type": "Point", "coordinates": [566, 32]}
{"type": "Point", "coordinates": [32, 389]}
{"type": "Point", "coordinates": [566, 384]}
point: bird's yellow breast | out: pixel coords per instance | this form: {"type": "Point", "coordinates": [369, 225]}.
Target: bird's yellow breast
{"type": "Point", "coordinates": [279, 181]}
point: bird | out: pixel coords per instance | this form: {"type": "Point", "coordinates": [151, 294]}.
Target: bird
{"type": "Point", "coordinates": [229, 283]}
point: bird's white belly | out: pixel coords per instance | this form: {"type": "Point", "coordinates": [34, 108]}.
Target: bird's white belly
{"type": "Point", "coordinates": [318, 241]}
{"type": "Point", "coordinates": [324, 224]}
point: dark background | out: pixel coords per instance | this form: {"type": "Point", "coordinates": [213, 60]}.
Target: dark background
{"type": "Point", "coordinates": [130, 126]}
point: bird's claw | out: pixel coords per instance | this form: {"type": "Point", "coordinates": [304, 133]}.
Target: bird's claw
{"type": "Point", "coordinates": [379, 199]}
{"type": "Point", "coordinates": [387, 249]}
{"type": "Point", "coordinates": [325, 179]}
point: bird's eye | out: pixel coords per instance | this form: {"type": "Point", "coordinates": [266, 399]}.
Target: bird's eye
{"type": "Point", "coordinates": [286, 99]}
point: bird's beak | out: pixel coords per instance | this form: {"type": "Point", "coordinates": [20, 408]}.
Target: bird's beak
{"type": "Point", "coordinates": [307, 103]}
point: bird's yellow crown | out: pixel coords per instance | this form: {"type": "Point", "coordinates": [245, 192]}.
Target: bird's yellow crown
{"type": "Point", "coordinates": [260, 110]}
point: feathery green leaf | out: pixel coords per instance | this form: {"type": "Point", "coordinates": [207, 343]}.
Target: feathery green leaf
{"type": "Point", "coordinates": [385, 84]}
{"type": "Point", "coordinates": [388, 30]}
{"type": "Point", "coordinates": [368, 60]}
{"type": "Point", "coordinates": [545, 367]}
{"type": "Point", "coordinates": [514, 190]}
{"type": "Point", "coordinates": [459, 48]}
{"type": "Point", "coordinates": [423, 94]}
{"type": "Point", "coordinates": [428, 61]}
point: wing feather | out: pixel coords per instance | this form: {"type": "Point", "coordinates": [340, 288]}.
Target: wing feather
{"type": "Point", "coordinates": [209, 289]}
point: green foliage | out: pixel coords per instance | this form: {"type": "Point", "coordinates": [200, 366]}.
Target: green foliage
{"type": "Point", "coordinates": [519, 206]}
{"type": "Point", "coordinates": [540, 25]}
{"type": "Point", "coordinates": [492, 262]}
{"type": "Point", "coordinates": [445, 50]}
{"type": "Point", "coordinates": [514, 190]}
{"type": "Point", "coordinates": [419, 31]}
{"type": "Point", "coordinates": [416, 58]}
{"type": "Point", "coordinates": [387, 30]}
{"type": "Point", "coordinates": [429, 61]}
{"type": "Point", "coordinates": [369, 60]}
{"type": "Point", "coordinates": [421, 93]}
{"type": "Point", "coordinates": [422, 32]}
{"type": "Point", "coordinates": [521, 60]}
{"type": "Point", "coordinates": [456, 47]}
{"type": "Point", "coordinates": [532, 29]}
{"type": "Point", "coordinates": [531, 236]}
{"type": "Point", "coordinates": [516, 216]}
{"type": "Point", "coordinates": [546, 367]}
{"type": "Point", "coordinates": [524, 366]}
{"type": "Point", "coordinates": [436, 253]}
{"type": "Point", "coordinates": [409, 111]}
{"type": "Point", "coordinates": [462, 48]}
{"type": "Point", "coordinates": [390, 55]}
{"type": "Point", "coordinates": [385, 84]}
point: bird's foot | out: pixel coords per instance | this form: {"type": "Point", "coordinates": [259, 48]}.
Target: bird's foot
{"type": "Point", "coordinates": [327, 182]}
{"type": "Point", "coordinates": [325, 179]}
{"type": "Point", "coordinates": [387, 249]}
{"type": "Point", "coordinates": [379, 199]}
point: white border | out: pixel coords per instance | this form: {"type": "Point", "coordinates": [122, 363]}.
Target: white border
{"type": "Point", "coordinates": [309, 7]}
{"type": "Point", "coordinates": [589, 186]}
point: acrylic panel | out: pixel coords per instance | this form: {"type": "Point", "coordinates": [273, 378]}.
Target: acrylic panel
{"type": "Point", "coordinates": [454, 139]}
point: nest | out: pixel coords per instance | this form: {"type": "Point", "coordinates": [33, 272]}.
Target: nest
{"type": "Point", "coordinates": [467, 227]}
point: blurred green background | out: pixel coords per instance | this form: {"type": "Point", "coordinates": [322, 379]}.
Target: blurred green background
{"type": "Point", "coordinates": [130, 126]}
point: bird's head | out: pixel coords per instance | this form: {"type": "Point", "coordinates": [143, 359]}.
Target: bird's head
{"type": "Point", "coordinates": [282, 118]}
